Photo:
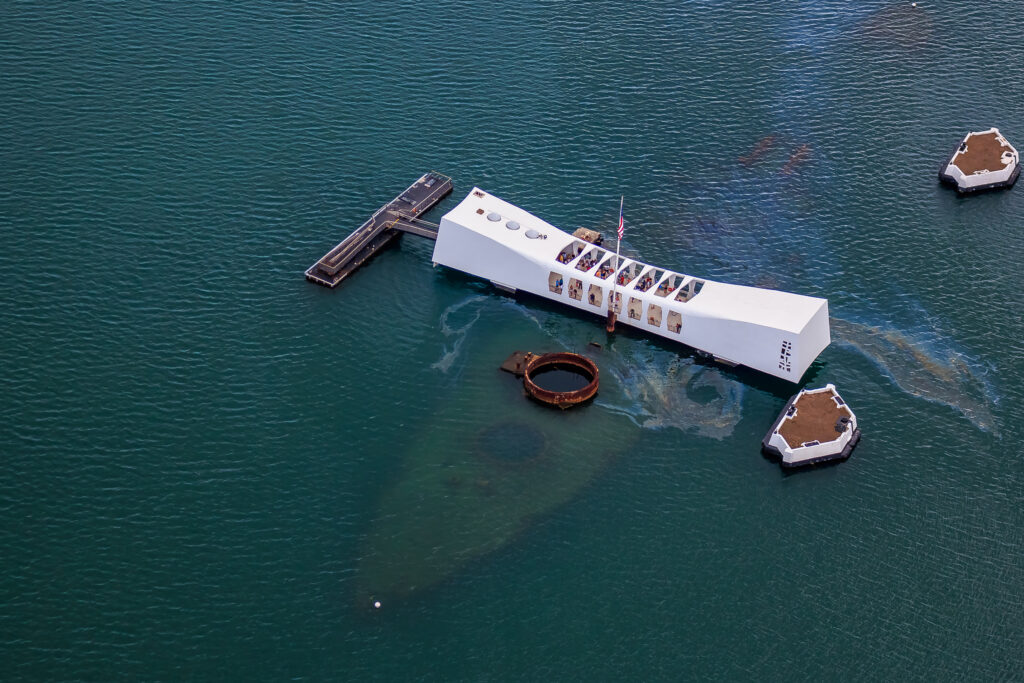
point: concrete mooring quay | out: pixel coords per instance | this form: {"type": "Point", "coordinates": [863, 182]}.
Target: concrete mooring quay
{"type": "Point", "coordinates": [401, 214]}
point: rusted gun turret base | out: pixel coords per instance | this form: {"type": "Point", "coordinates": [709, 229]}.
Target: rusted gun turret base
{"type": "Point", "coordinates": [525, 364]}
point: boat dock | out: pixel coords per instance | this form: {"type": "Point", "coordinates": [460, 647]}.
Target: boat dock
{"type": "Point", "coordinates": [401, 214]}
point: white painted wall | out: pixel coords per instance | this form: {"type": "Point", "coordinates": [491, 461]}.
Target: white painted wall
{"type": "Point", "coordinates": [747, 325]}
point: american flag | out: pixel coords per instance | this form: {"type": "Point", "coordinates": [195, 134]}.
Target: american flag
{"type": "Point", "coordinates": [621, 229]}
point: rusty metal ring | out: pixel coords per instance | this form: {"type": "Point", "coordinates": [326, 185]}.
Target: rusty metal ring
{"type": "Point", "coordinates": [562, 399]}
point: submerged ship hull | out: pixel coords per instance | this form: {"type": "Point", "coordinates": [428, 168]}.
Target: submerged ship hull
{"type": "Point", "coordinates": [774, 332]}
{"type": "Point", "coordinates": [496, 464]}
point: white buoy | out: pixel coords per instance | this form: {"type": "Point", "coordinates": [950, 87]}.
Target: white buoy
{"type": "Point", "coordinates": [913, 4]}
{"type": "Point", "coordinates": [376, 604]}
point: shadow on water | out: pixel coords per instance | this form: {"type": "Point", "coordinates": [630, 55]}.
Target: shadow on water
{"type": "Point", "coordinates": [787, 472]}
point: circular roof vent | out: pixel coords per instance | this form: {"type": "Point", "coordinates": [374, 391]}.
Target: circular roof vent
{"type": "Point", "coordinates": [532, 234]}
{"type": "Point", "coordinates": [512, 225]}
{"type": "Point", "coordinates": [493, 217]}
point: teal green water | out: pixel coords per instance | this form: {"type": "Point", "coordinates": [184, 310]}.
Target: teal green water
{"type": "Point", "coordinates": [209, 463]}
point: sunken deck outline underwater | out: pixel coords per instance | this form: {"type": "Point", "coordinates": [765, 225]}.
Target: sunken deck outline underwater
{"type": "Point", "coordinates": [778, 333]}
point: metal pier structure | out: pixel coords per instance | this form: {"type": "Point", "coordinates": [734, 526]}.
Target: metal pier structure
{"type": "Point", "coordinates": [401, 214]}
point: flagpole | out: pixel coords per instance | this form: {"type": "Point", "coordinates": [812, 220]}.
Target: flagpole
{"type": "Point", "coordinates": [612, 316]}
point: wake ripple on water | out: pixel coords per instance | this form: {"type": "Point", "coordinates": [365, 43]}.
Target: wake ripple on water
{"type": "Point", "coordinates": [453, 327]}
{"type": "Point", "coordinates": [654, 388]}
{"type": "Point", "coordinates": [946, 377]}
{"type": "Point", "coordinates": [672, 391]}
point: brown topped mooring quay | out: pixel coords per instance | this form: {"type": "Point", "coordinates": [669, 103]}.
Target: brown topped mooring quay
{"type": "Point", "coordinates": [985, 153]}
{"type": "Point", "coordinates": [401, 214]}
{"type": "Point", "coordinates": [817, 420]}
{"type": "Point", "coordinates": [984, 160]}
